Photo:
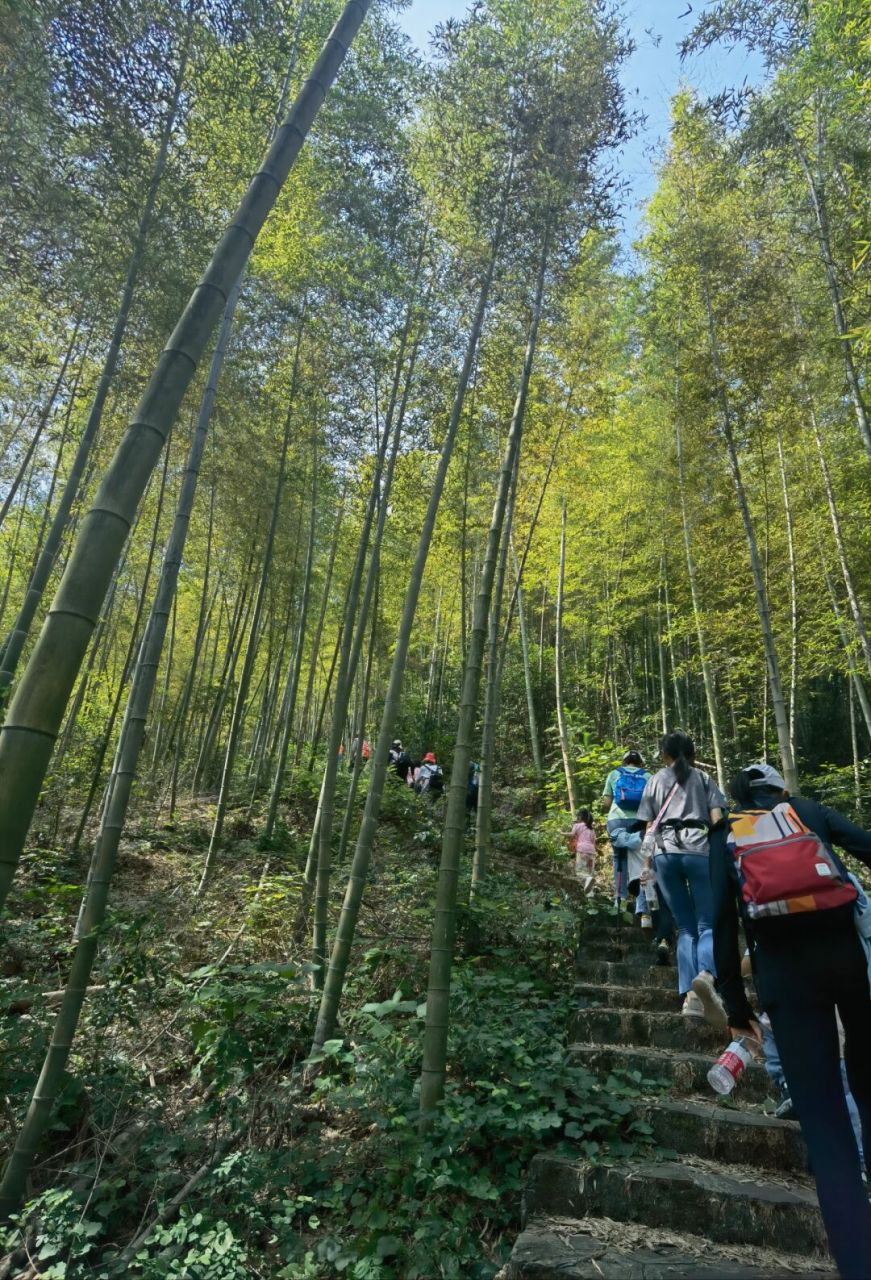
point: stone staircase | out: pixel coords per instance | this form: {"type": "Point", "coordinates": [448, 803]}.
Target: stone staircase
{"type": "Point", "coordinates": [736, 1202]}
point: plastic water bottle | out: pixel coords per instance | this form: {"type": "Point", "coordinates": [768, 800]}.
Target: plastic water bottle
{"type": "Point", "coordinates": [729, 1067]}
{"type": "Point", "coordinates": [651, 897]}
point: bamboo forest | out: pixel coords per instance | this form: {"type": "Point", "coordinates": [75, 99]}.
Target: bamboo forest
{"type": "Point", "coordinates": [384, 481]}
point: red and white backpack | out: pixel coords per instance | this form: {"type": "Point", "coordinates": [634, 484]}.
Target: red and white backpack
{"type": "Point", "coordinates": [783, 867]}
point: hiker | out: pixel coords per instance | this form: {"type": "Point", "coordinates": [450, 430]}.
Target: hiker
{"type": "Point", "coordinates": [473, 784]}
{"type": "Point", "coordinates": [429, 780]}
{"type": "Point", "coordinates": [581, 840]}
{"type": "Point", "coordinates": [364, 749]}
{"type": "Point", "coordinates": [622, 792]}
{"type": "Point", "coordinates": [403, 765]}
{"type": "Point", "coordinates": [680, 804]}
{"type": "Point", "coordinates": [799, 910]}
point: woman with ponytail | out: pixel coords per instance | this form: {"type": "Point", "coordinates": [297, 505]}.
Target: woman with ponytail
{"type": "Point", "coordinates": [680, 804]}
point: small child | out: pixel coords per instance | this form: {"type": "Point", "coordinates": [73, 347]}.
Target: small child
{"type": "Point", "coordinates": [582, 840]}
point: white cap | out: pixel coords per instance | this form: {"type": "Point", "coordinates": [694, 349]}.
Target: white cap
{"type": "Point", "coordinates": [770, 777]}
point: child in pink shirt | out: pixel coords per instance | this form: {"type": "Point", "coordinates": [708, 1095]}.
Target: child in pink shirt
{"type": "Point", "coordinates": [582, 841]}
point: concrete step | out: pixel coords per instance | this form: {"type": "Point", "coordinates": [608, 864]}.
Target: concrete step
{"type": "Point", "coordinates": [626, 973]}
{"type": "Point", "coordinates": [654, 999]}
{"type": "Point", "coordinates": [681, 1197]}
{"type": "Point", "coordinates": [644, 1029]}
{"type": "Point", "coordinates": [726, 1136]}
{"type": "Point", "coordinates": [601, 1249]}
{"type": "Point", "coordinates": [686, 1072]}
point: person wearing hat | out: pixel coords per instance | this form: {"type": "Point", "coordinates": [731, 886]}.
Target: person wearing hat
{"type": "Point", "coordinates": [429, 779]}
{"type": "Point", "coordinates": [810, 965]}
{"type": "Point", "coordinates": [400, 761]}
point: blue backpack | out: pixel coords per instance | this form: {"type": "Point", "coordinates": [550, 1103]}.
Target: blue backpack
{"type": "Point", "coordinates": [629, 788]}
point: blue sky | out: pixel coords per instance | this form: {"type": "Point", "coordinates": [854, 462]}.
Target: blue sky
{"type": "Point", "coordinates": [651, 76]}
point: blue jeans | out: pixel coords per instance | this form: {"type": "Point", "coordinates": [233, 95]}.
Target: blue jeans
{"type": "Point", "coordinates": [684, 881]}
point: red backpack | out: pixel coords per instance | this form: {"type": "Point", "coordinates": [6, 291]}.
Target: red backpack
{"type": "Point", "coordinates": [783, 867]}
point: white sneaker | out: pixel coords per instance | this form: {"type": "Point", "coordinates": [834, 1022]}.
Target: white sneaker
{"type": "Point", "coordinates": [646, 921]}
{"type": "Point", "coordinates": [588, 884]}
{"type": "Point", "coordinates": [693, 1007]}
{"type": "Point", "coordinates": [713, 1009]}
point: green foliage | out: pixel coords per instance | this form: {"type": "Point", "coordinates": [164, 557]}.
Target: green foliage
{"type": "Point", "coordinates": [333, 1178]}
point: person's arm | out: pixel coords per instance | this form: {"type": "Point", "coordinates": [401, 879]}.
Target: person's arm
{"type": "Point", "coordinates": [727, 954]}
{"type": "Point", "coordinates": [648, 808]}
{"type": "Point", "coordinates": [715, 798]}
{"type": "Point", "coordinates": [845, 834]}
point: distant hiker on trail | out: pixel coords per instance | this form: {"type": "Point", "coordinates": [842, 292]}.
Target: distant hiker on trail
{"type": "Point", "coordinates": [581, 839]}
{"type": "Point", "coordinates": [429, 780]}
{"type": "Point", "coordinates": [365, 752]}
{"type": "Point", "coordinates": [622, 792]}
{"type": "Point", "coordinates": [774, 868]}
{"type": "Point", "coordinates": [680, 804]}
{"type": "Point", "coordinates": [403, 765]}
{"type": "Point", "coordinates": [473, 784]}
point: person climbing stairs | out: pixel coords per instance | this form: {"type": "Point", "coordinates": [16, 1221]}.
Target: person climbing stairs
{"type": "Point", "coordinates": [731, 1199]}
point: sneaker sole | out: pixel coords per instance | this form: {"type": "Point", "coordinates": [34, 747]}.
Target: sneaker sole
{"type": "Point", "coordinates": [713, 1012]}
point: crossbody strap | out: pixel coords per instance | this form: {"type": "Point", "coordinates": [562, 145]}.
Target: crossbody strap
{"type": "Point", "coordinates": [652, 829]}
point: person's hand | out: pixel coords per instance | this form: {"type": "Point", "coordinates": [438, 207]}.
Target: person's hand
{"type": "Point", "coordinates": [751, 1033]}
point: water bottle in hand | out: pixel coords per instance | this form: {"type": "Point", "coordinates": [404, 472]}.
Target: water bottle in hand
{"type": "Point", "coordinates": [729, 1067]}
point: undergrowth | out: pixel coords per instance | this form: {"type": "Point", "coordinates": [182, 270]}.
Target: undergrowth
{"type": "Point", "coordinates": [190, 1124]}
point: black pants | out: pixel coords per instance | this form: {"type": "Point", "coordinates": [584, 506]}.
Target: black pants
{"type": "Point", "coordinates": [801, 978]}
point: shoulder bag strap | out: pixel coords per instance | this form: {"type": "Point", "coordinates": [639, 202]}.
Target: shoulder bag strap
{"type": "Point", "coordinates": [652, 829]}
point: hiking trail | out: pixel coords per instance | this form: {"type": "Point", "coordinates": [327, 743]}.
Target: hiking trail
{"type": "Point", "coordinates": [735, 1201]}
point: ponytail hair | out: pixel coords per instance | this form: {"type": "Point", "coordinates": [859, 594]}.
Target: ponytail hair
{"type": "Point", "coordinates": [681, 749]}
{"type": "Point", "coordinates": [586, 817]}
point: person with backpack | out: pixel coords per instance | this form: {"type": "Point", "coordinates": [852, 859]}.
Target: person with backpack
{"type": "Point", "coordinates": [429, 780]}
{"type": "Point", "coordinates": [773, 868]}
{"type": "Point", "coordinates": [400, 760]}
{"type": "Point", "coordinates": [622, 792]}
{"type": "Point", "coordinates": [680, 804]}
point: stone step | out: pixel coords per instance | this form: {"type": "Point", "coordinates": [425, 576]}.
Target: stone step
{"type": "Point", "coordinates": [601, 1249]}
{"type": "Point", "coordinates": [685, 1072]}
{"type": "Point", "coordinates": [623, 973]}
{"type": "Point", "coordinates": [681, 1197]}
{"type": "Point", "coordinates": [641, 954]}
{"type": "Point", "coordinates": [655, 999]}
{"type": "Point", "coordinates": [644, 1029]}
{"type": "Point", "coordinates": [726, 1136]}
{"type": "Point", "coordinates": [610, 935]}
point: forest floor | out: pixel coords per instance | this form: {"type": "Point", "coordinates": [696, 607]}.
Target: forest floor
{"type": "Point", "coordinates": [184, 1128]}
{"type": "Point", "coordinates": [188, 1144]}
